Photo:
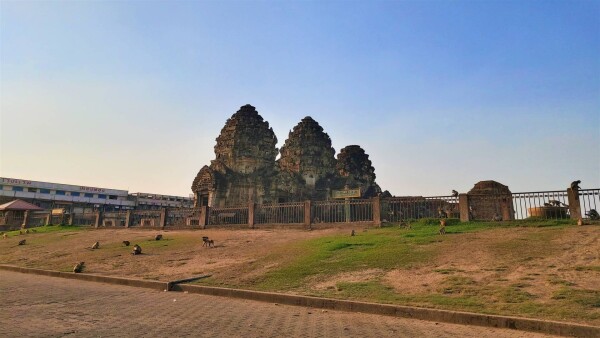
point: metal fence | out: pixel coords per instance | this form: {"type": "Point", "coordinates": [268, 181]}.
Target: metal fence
{"type": "Point", "coordinates": [58, 219]}
{"type": "Point", "coordinates": [589, 199]}
{"type": "Point", "coordinates": [183, 217]}
{"type": "Point", "coordinates": [543, 204]}
{"type": "Point", "coordinates": [397, 209]}
{"type": "Point", "coordinates": [114, 219]}
{"type": "Point", "coordinates": [145, 218]}
{"type": "Point", "coordinates": [346, 211]}
{"type": "Point", "coordinates": [37, 218]}
{"type": "Point", "coordinates": [282, 213]}
{"type": "Point", "coordinates": [228, 216]}
{"type": "Point", "coordinates": [86, 218]}
{"type": "Point", "coordinates": [539, 204]}
{"type": "Point", "coordinates": [484, 207]}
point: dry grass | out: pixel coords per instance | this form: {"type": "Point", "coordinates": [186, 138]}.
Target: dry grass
{"type": "Point", "coordinates": [548, 272]}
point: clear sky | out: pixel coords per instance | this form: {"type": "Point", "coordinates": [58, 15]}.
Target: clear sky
{"type": "Point", "coordinates": [440, 94]}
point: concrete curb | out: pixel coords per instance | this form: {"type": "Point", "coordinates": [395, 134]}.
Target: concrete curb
{"type": "Point", "coordinates": [90, 278]}
{"type": "Point", "coordinates": [454, 317]}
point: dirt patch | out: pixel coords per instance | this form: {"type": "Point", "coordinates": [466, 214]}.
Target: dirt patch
{"type": "Point", "coordinates": [349, 277]}
{"type": "Point", "coordinates": [179, 255]}
{"type": "Point", "coordinates": [511, 258]}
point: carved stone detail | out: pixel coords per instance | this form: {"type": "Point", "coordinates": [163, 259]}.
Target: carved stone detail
{"type": "Point", "coordinates": [245, 169]}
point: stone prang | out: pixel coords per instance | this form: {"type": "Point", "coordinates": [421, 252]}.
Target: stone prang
{"type": "Point", "coordinates": [245, 170]}
{"type": "Point", "coordinates": [246, 143]}
{"type": "Point", "coordinates": [308, 159]}
{"type": "Point", "coordinates": [354, 166]}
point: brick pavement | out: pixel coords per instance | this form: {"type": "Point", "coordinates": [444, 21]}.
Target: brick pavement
{"type": "Point", "coordinates": [38, 306]}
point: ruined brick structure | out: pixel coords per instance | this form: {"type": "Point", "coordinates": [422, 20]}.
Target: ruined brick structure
{"type": "Point", "coordinates": [488, 199]}
{"type": "Point", "coordinates": [245, 169]}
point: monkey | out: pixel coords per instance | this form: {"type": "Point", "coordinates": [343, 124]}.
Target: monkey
{"type": "Point", "coordinates": [78, 267]}
{"type": "Point", "coordinates": [547, 204]}
{"type": "Point", "coordinates": [496, 218]}
{"type": "Point", "coordinates": [454, 193]}
{"type": "Point", "coordinates": [554, 203]}
{"type": "Point", "coordinates": [126, 243]}
{"type": "Point", "coordinates": [20, 232]}
{"type": "Point", "coordinates": [352, 234]}
{"type": "Point", "coordinates": [5, 236]}
{"type": "Point", "coordinates": [442, 213]}
{"type": "Point", "coordinates": [27, 231]}
{"type": "Point", "coordinates": [405, 225]}
{"type": "Point", "coordinates": [96, 245]}
{"type": "Point", "coordinates": [207, 242]}
{"type": "Point", "coordinates": [158, 237]}
{"type": "Point", "coordinates": [137, 250]}
{"type": "Point", "coordinates": [442, 227]}
{"type": "Point", "coordinates": [593, 214]}
{"type": "Point", "coordinates": [22, 242]}
{"type": "Point", "coordinates": [575, 185]}
{"type": "Point", "coordinates": [580, 221]}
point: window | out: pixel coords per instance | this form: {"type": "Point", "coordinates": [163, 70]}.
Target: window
{"type": "Point", "coordinates": [45, 191]}
{"type": "Point", "coordinates": [112, 197]}
{"type": "Point", "coordinates": [60, 192]}
{"type": "Point", "coordinates": [102, 196]}
{"type": "Point", "coordinates": [87, 194]}
{"type": "Point", "coordinates": [32, 189]}
{"type": "Point", "coordinates": [17, 189]}
{"type": "Point", "coordinates": [75, 194]}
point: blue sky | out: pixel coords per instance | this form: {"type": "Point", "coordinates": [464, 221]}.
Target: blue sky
{"type": "Point", "coordinates": [440, 94]}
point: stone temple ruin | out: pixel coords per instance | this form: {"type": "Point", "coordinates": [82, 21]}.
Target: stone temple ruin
{"type": "Point", "coordinates": [246, 170]}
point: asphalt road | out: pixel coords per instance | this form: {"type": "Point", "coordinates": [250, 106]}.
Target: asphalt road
{"type": "Point", "coordinates": [38, 306]}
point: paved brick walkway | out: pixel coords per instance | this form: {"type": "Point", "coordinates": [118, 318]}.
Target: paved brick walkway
{"type": "Point", "coordinates": [37, 306]}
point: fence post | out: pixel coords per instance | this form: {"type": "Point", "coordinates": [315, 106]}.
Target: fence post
{"type": "Point", "coordinates": [98, 219]}
{"type": "Point", "coordinates": [463, 206]}
{"type": "Point", "coordinates": [203, 217]}
{"type": "Point", "coordinates": [307, 215]}
{"type": "Point", "coordinates": [127, 218]}
{"type": "Point", "coordinates": [574, 206]}
{"type": "Point", "coordinates": [376, 201]}
{"type": "Point", "coordinates": [251, 207]}
{"type": "Point", "coordinates": [25, 220]}
{"type": "Point", "coordinates": [163, 218]}
{"type": "Point", "coordinates": [71, 218]}
{"type": "Point", "coordinates": [49, 218]}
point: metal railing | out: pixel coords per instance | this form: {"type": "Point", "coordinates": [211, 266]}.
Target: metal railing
{"type": "Point", "coordinates": [397, 209]}
{"type": "Point", "coordinates": [183, 217]}
{"type": "Point", "coordinates": [282, 213]}
{"type": "Point", "coordinates": [228, 216]}
{"type": "Point", "coordinates": [114, 219]}
{"type": "Point", "coordinates": [482, 207]}
{"type": "Point", "coordinates": [543, 204]}
{"type": "Point", "coordinates": [38, 218]}
{"type": "Point", "coordinates": [346, 211]}
{"type": "Point", "coordinates": [145, 218]}
{"type": "Point", "coordinates": [589, 200]}
{"type": "Point", "coordinates": [86, 218]}
{"type": "Point", "coordinates": [58, 219]}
